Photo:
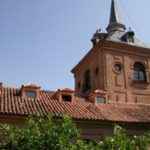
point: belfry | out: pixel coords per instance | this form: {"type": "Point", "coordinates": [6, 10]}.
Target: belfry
{"type": "Point", "coordinates": [118, 64]}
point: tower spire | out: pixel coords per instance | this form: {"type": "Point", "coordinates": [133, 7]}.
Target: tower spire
{"type": "Point", "coordinates": [115, 21]}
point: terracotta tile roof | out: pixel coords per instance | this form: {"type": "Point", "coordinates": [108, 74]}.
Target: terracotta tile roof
{"type": "Point", "coordinates": [12, 103]}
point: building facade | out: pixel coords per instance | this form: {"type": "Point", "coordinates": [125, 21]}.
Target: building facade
{"type": "Point", "coordinates": [112, 86]}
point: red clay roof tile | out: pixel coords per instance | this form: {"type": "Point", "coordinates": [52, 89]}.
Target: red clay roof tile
{"type": "Point", "coordinates": [12, 103]}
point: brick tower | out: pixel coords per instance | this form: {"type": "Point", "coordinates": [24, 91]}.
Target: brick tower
{"type": "Point", "coordinates": [118, 64]}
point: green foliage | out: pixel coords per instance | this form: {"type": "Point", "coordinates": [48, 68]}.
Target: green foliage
{"type": "Point", "coordinates": [46, 134]}
{"type": "Point", "coordinates": [121, 141]}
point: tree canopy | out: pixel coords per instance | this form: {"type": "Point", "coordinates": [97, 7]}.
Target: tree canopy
{"type": "Point", "coordinates": [47, 134]}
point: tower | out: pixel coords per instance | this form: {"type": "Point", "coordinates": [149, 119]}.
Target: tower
{"type": "Point", "coordinates": [118, 64]}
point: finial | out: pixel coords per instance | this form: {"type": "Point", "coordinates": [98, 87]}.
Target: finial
{"type": "Point", "coordinates": [130, 29]}
{"type": "Point", "coordinates": [98, 30]}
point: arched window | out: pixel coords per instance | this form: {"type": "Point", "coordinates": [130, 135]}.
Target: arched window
{"type": "Point", "coordinates": [87, 81]}
{"type": "Point", "coordinates": [139, 72]}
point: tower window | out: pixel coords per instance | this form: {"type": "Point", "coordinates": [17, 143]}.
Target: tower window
{"type": "Point", "coordinates": [79, 85]}
{"type": "Point", "coordinates": [96, 71]}
{"type": "Point", "coordinates": [118, 68]}
{"type": "Point", "coordinates": [139, 72]}
{"type": "Point", "coordinates": [87, 81]}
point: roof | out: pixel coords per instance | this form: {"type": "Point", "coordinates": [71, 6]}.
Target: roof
{"type": "Point", "coordinates": [12, 103]}
{"type": "Point", "coordinates": [117, 35]}
{"type": "Point", "coordinates": [116, 28]}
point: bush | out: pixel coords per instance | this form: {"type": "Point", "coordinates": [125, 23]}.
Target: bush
{"type": "Point", "coordinates": [46, 134]}
{"type": "Point", "coordinates": [121, 141]}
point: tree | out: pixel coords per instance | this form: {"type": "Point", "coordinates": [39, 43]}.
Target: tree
{"type": "Point", "coordinates": [121, 141]}
{"type": "Point", "coordinates": [43, 134]}
{"type": "Point", "coordinates": [62, 134]}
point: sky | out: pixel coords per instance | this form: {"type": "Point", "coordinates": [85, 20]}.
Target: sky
{"type": "Point", "coordinates": [42, 40]}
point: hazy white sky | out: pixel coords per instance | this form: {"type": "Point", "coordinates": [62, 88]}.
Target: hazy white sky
{"type": "Point", "coordinates": [41, 40]}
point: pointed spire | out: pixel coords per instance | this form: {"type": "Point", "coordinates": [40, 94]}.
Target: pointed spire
{"type": "Point", "coordinates": [115, 21]}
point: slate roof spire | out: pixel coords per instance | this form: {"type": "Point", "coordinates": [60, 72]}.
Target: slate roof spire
{"type": "Point", "coordinates": [115, 21]}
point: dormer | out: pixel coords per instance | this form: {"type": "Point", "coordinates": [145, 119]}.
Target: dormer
{"type": "Point", "coordinates": [30, 91]}
{"type": "Point", "coordinates": [64, 95]}
{"type": "Point", "coordinates": [98, 97]}
{"type": "Point", "coordinates": [128, 37]}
